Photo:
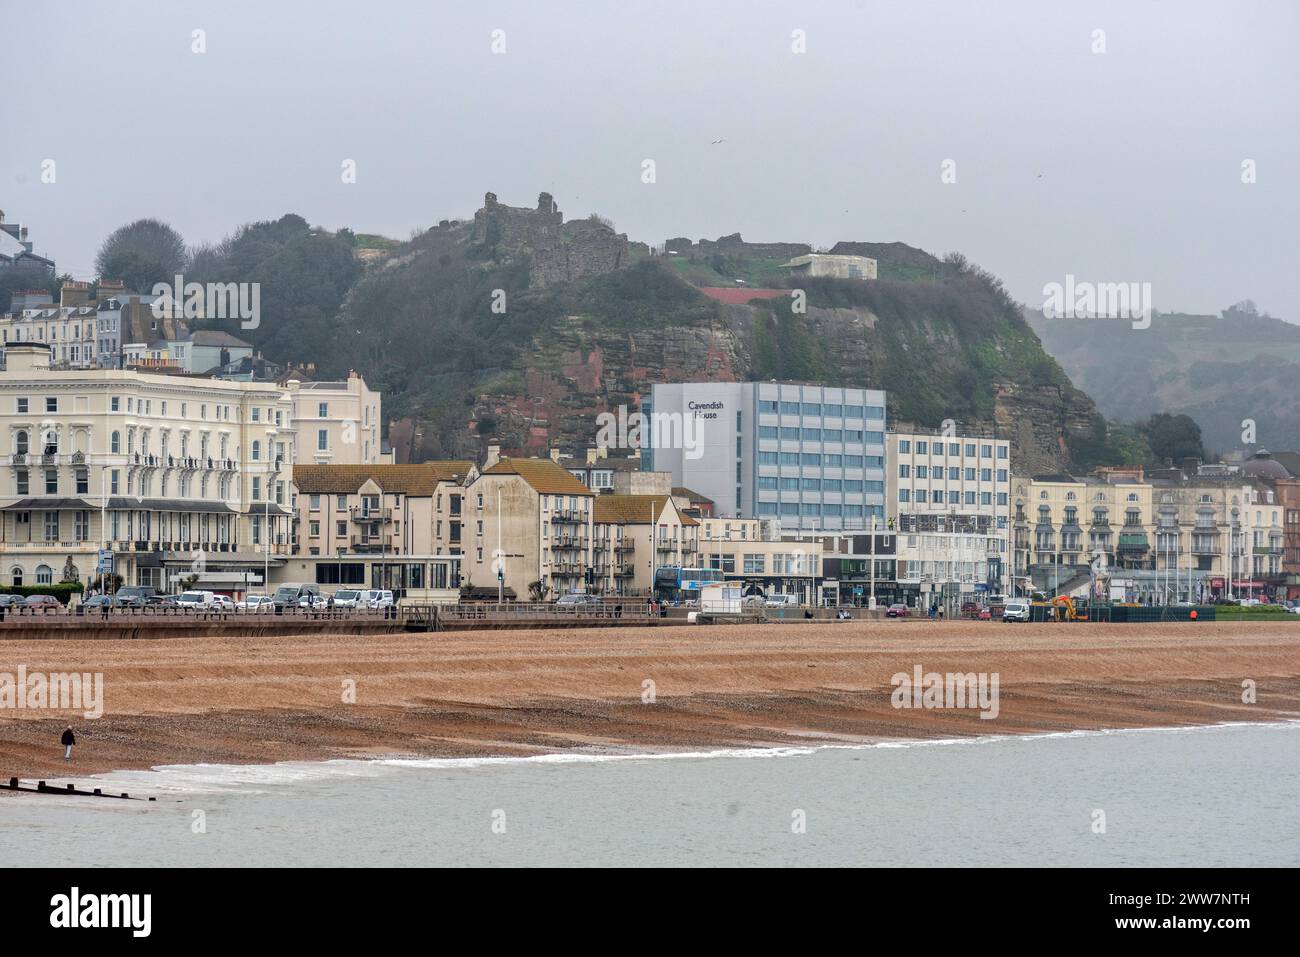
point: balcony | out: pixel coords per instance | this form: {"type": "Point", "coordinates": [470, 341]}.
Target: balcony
{"type": "Point", "coordinates": [373, 543]}
{"type": "Point", "coordinates": [18, 458]}
{"type": "Point", "coordinates": [362, 513]}
{"type": "Point", "coordinates": [1133, 544]}
{"type": "Point", "coordinates": [564, 515]}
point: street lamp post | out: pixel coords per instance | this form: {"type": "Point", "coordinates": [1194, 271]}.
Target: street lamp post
{"type": "Point", "coordinates": [871, 601]}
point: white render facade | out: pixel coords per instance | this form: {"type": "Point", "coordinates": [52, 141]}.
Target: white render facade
{"type": "Point", "coordinates": [173, 475]}
{"type": "Point", "coordinates": [339, 423]}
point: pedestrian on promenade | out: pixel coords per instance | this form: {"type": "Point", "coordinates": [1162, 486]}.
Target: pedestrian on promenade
{"type": "Point", "coordinates": [68, 740]}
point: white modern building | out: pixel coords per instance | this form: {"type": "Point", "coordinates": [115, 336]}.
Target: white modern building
{"type": "Point", "coordinates": [811, 456]}
{"type": "Point", "coordinates": [949, 504]}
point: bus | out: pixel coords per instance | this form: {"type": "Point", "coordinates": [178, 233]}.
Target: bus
{"type": "Point", "coordinates": [675, 584]}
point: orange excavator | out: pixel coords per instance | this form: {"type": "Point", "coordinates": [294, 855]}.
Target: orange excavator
{"type": "Point", "coordinates": [1064, 609]}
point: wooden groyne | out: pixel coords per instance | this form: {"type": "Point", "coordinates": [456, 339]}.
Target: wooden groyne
{"type": "Point", "coordinates": [43, 788]}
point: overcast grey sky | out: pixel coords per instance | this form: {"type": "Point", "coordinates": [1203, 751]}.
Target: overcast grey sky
{"type": "Point", "coordinates": [1117, 166]}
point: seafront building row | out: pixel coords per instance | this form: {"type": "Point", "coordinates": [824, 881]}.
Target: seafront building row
{"type": "Point", "coordinates": [235, 484]}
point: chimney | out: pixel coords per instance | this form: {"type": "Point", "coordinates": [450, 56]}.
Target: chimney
{"type": "Point", "coordinates": [555, 455]}
{"type": "Point", "coordinates": [592, 456]}
{"type": "Point", "coordinates": [493, 456]}
{"type": "Point", "coordinates": [27, 357]}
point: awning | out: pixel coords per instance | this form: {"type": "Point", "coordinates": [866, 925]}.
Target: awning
{"type": "Point", "coordinates": [168, 505]}
{"type": "Point", "coordinates": [47, 504]}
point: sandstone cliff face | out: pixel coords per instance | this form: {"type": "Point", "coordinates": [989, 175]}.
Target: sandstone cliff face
{"type": "Point", "coordinates": [1040, 421]}
{"type": "Point", "coordinates": [576, 372]}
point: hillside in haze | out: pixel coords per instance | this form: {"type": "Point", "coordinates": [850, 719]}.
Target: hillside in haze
{"type": "Point", "coordinates": [1220, 370]}
{"type": "Point", "coordinates": [520, 326]}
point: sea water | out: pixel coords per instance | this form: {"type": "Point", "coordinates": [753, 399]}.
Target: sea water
{"type": "Point", "coordinates": [1213, 796]}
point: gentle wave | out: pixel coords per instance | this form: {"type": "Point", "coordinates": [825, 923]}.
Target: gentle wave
{"type": "Point", "coordinates": [179, 779]}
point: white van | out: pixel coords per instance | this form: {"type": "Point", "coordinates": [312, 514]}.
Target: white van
{"type": "Point", "coordinates": [1017, 609]}
{"type": "Point", "coordinates": [349, 598]}
{"type": "Point", "coordinates": [375, 598]}
{"type": "Point", "coordinates": [196, 599]}
{"type": "Point", "coordinates": [782, 601]}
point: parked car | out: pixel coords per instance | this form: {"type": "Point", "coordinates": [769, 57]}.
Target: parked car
{"type": "Point", "coordinates": [7, 600]}
{"type": "Point", "coordinates": [1016, 609]}
{"type": "Point", "coordinates": [897, 611]}
{"type": "Point", "coordinates": [970, 609]}
{"type": "Point", "coordinates": [315, 602]}
{"type": "Point", "coordinates": [985, 614]}
{"type": "Point", "coordinates": [94, 602]}
{"type": "Point", "coordinates": [349, 598]}
{"type": "Point", "coordinates": [223, 603]}
{"type": "Point", "coordinates": [196, 599]}
{"type": "Point", "coordinates": [42, 602]}
{"type": "Point", "coordinates": [1248, 602]}
{"type": "Point", "coordinates": [256, 603]}
{"type": "Point", "coordinates": [576, 601]}
{"type": "Point", "coordinates": [133, 596]}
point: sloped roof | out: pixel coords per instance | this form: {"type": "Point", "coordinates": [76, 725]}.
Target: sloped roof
{"type": "Point", "coordinates": [215, 337]}
{"type": "Point", "coordinates": [681, 491]}
{"type": "Point", "coordinates": [545, 476]}
{"type": "Point", "coordinates": [419, 480]}
{"type": "Point", "coordinates": [634, 510]}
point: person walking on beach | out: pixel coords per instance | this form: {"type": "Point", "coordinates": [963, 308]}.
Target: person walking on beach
{"type": "Point", "coordinates": [68, 740]}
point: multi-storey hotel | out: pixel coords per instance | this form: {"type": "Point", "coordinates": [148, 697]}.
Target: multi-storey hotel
{"type": "Point", "coordinates": [949, 503]}
{"type": "Point", "coordinates": [812, 456]}
{"type": "Point", "coordinates": [174, 477]}
{"type": "Point", "coordinates": [1160, 537]}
